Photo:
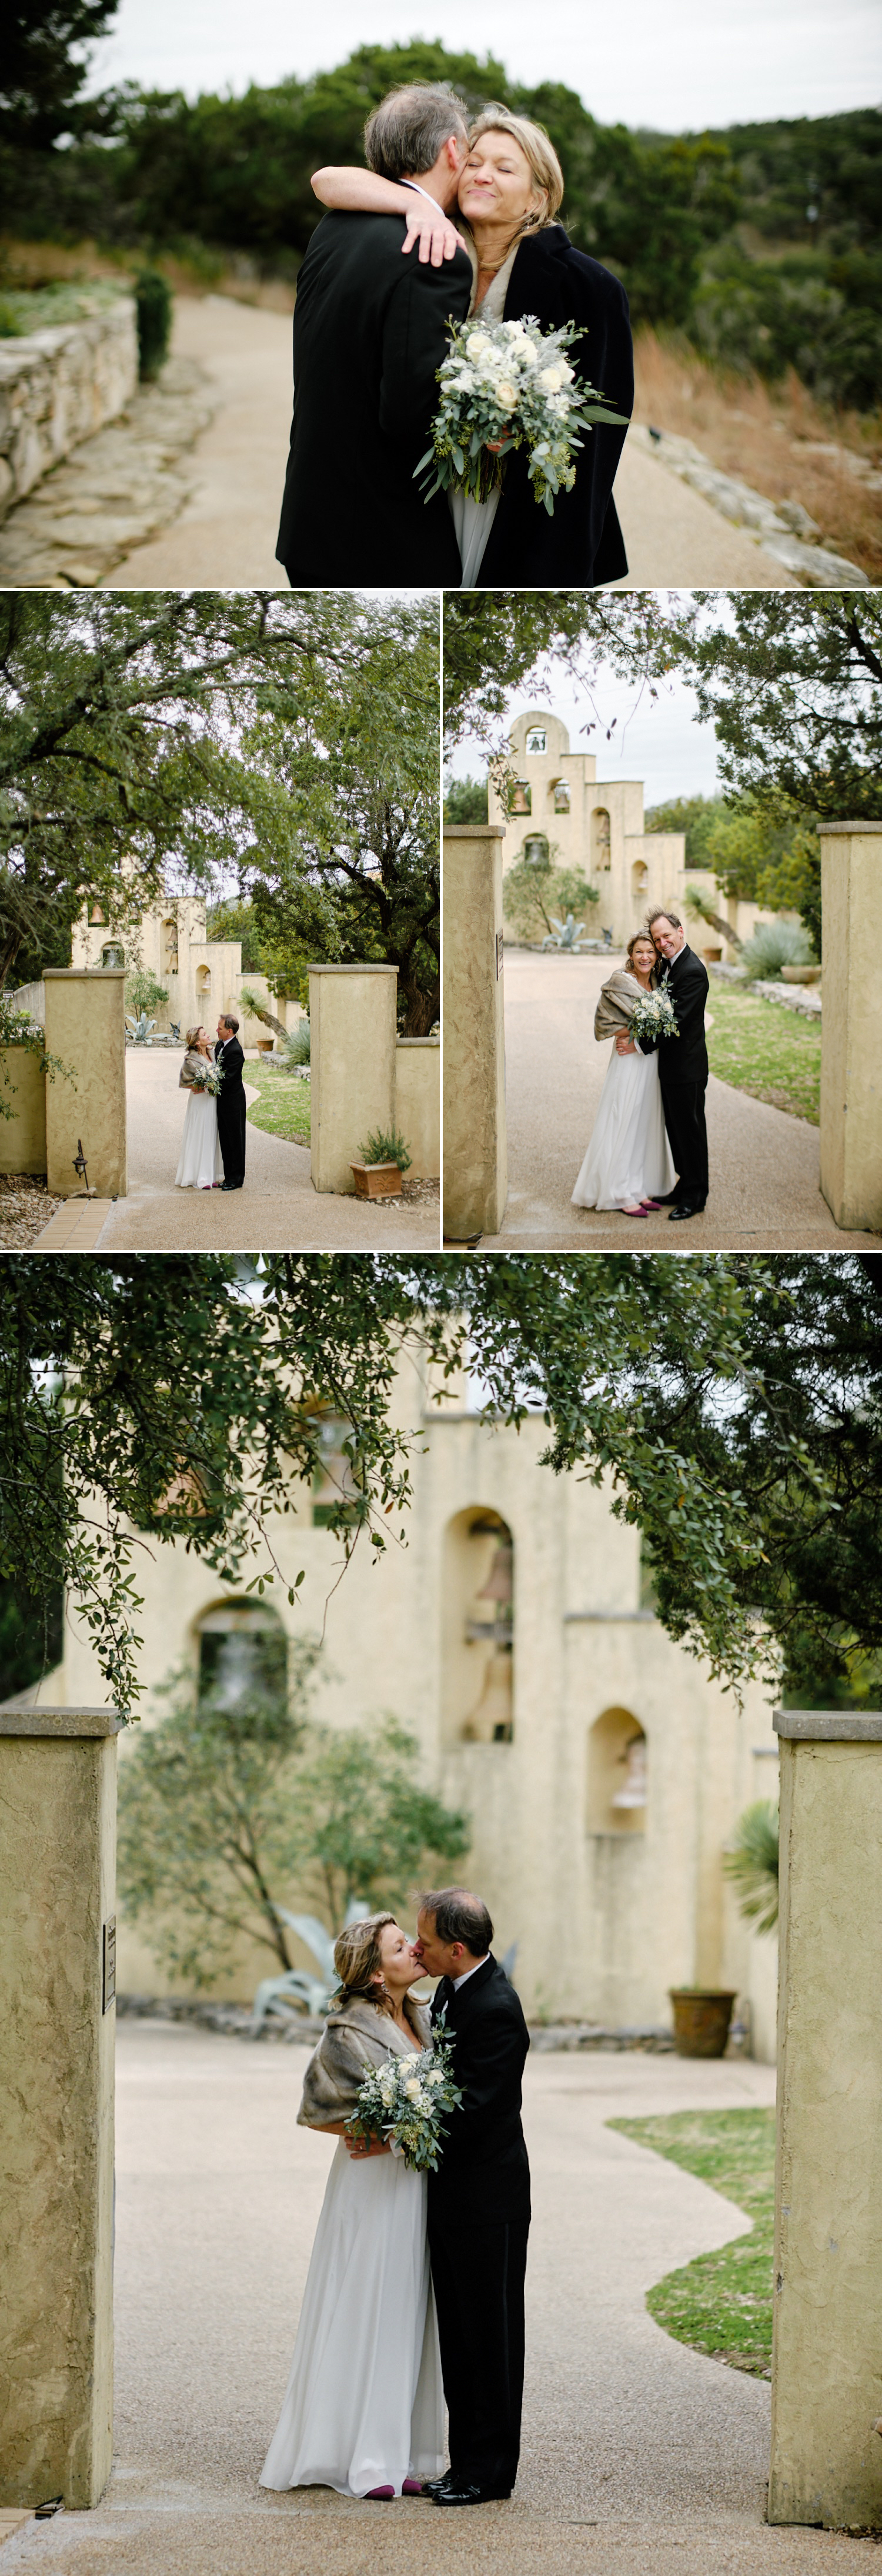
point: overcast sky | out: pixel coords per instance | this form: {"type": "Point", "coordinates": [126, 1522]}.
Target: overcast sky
{"type": "Point", "coordinates": [686, 65]}
{"type": "Point", "coordinates": [658, 740]}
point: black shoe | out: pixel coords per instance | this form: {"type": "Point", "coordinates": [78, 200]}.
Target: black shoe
{"type": "Point", "coordinates": [432, 2486]}
{"type": "Point", "coordinates": [669, 1199]}
{"type": "Point", "coordinates": [685, 1208]}
{"type": "Point", "coordinates": [459, 2492]}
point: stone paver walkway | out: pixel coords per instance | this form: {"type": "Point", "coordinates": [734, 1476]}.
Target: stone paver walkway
{"type": "Point", "coordinates": [226, 532]}
{"type": "Point", "coordinates": [640, 2457]}
{"type": "Point", "coordinates": [764, 1165]}
{"type": "Point", "coordinates": [277, 1211]}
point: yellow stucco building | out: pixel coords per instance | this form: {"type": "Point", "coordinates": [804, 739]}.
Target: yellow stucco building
{"type": "Point", "coordinates": [603, 1771]}
{"type": "Point", "coordinates": [202, 976]}
{"type": "Point", "coordinates": [588, 823]}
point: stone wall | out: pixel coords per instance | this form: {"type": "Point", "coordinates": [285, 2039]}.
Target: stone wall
{"type": "Point", "coordinates": [23, 1136]}
{"type": "Point", "coordinates": [418, 1103]}
{"type": "Point", "coordinates": [59, 386]}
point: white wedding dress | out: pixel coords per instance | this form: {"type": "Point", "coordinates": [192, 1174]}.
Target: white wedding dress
{"type": "Point", "coordinates": [201, 1162]}
{"type": "Point", "coordinates": [364, 2404]}
{"type": "Point", "coordinates": [629, 1157]}
{"type": "Point", "coordinates": [473, 520]}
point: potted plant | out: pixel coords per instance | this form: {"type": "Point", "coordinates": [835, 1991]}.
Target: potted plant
{"type": "Point", "coordinates": [384, 1161]}
{"type": "Point", "coordinates": [701, 2019]}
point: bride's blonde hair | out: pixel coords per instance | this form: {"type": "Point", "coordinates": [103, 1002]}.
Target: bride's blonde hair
{"type": "Point", "coordinates": [537, 149]}
{"type": "Point", "coordinates": [193, 1035]}
{"type": "Point", "coordinates": [358, 1962]}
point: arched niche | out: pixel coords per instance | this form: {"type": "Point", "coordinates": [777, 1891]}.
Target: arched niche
{"type": "Point", "coordinates": [203, 983]}
{"type": "Point", "coordinates": [537, 852]}
{"type": "Point", "coordinates": [478, 1629]}
{"type": "Point", "coordinates": [242, 1652]}
{"type": "Point", "coordinates": [601, 850]}
{"type": "Point", "coordinates": [559, 792]}
{"type": "Point", "coordinates": [522, 800]}
{"type": "Point", "coordinates": [113, 953]}
{"type": "Point", "coordinates": [616, 1774]}
{"type": "Point", "coordinates": [639, 881]}
{"type": "Point", "coordinates": [169, 936]}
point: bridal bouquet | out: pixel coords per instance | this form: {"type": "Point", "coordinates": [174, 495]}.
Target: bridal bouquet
{"type": "Point", "coordinates": [405, 2100]}
{"type": "Point", "coordinates": [207, 1077]}
{"type": "Point", "coordinates": [506, 385]}
{"type": "Point", "coordinates": [653, 1016]}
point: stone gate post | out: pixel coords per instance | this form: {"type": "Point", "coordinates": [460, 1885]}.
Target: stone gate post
{"type": "Point", "coordinates": [352, 1019]}
{"type": "Point", "coordinates": [851, 1076]}
{"type": "Point", "coordinates": [85, 1026]}
{"type": "Point", "coordinates": [826, 2458]}
{"type": "Point", "coordinates": [475, 1186]}
{"type": "Point", "coordinates": [57, 1936]}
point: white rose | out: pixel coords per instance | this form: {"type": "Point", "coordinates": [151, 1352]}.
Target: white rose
{"type": "Point", "coordinates": [476, 344]}
{"type": "Point", "coordinates": [553, 377]}
{"type": "Point", "coordinates": [507, 394]}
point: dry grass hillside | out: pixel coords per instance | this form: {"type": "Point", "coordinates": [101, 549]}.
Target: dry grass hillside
{"type": "Point", "coordinates": [779, 440]}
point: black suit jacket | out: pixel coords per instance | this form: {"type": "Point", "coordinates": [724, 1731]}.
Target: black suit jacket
{"type": "Point", "coordinates": [582, 542]}
{"type": "Point", "coordinates": [370, 332]}
{"type": "Point", "coordinates": [683, 1059]}
{"type": "Point", "coordinates": [484, 2174]}
{"type": "Point", "coordinates": [234, 1059]}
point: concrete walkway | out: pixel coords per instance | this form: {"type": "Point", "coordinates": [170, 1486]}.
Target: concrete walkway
{"type": "Point", "coordinates": [277, 1211]}
{"type": "Point", "coordinates": [764, 1165]}
{"type": "Point", "coordinates": [639, 2455]}
{"type": "Point", "coordinates": [226, 533]}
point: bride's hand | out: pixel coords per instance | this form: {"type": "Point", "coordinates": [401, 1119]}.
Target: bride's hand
{"type": "Point", "coordinates": [429, 226]}
{"type": "Point", "coordinates": [360, 2150]}
{"type": "Point", "coordinates": [624, 1045]}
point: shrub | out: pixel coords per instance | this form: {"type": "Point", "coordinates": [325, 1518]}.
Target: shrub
{"type": "Point", "coordinates": [153, 300]}
{"type": "Point", "coordinates": [143, 992]}
{"type": "Point", "coordinates": [776, 944]}
{"type": "Point", "coordinates": [532, 897]}
{"type": "Point", "coordinates": [383, 1148]}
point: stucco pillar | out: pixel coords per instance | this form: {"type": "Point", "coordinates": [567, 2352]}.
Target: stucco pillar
{"type": "Point", "coordinates": [475, 1150]}
{"type": "Point", "coordinates": [352, 1019]}
{"type": "Point", "coordinates": [57, 1876]}
{"type": "Point", "coordinates": [418, 1103]}
{"type": "Point", "coordinates": [851, 1075]}
{"type": "Point", "coordinates": [826, 2459]}
{"type": "Point", "coordinates": [85, 1026]}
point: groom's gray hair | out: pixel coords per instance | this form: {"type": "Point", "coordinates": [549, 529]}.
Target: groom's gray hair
{"type": "Point", "coordinates": [459, 1916]}
{"type": "Point", "coordinates": [662, 912]}
{"type": "Point", "coordinates": [405, 134]}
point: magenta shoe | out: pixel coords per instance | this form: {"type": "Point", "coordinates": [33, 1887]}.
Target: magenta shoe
{"type": "Point", "coordinates": [412, 2486]}
{"type": "Point", "coordinates": [380, 2495]}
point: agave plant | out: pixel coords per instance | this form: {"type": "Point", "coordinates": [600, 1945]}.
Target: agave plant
{"type": "Point", "coordinates": [141, 1028]}
{"type": "Point", "coordinates": [315, 1992]}
{"type": "Point", "coordinates": [752, 1864]}
{"type": "Point", "coordinates": [566, 934]}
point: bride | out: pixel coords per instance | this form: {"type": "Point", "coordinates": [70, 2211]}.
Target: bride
{"type": "Point", "coordinates": [523, 262]}
{"type": "Point", "coordinates": [629, 1162]}
{"type": "Point", "coordinates": [200, 1166]}
{"type": "Point", "coordinates": [363, 2410]}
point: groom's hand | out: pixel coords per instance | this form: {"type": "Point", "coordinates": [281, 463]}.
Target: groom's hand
{"type": "Point", "coordinates": [360, 2149]}
{"type": "Point", "coordinates": [437, 237]}
{"type": "Point", "coordinates": [625, 1045]}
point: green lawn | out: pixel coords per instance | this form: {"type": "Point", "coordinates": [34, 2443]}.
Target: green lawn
{"type": "Point", "coordinates": [283, 1107]}
{"type": "Point", "coordinates": [722, 2303]}
{"type": "Point", "coordinates": [763, 1048]}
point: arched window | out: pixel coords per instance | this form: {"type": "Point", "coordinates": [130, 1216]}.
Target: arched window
{"type": "Point", "coordinates": [601, 854]}
{"type": "Point", "coordinates": [98, 914]}
{"type": "Point", "coordinates": [535, 744]}
{"type": "Point", "coordinates": [522, 801]}
{"type": "Point", "coordinates": [334, 1481]}
{"type": "Point", "coordinates": [478, 1674]}
{"type": "Point", "coordinates": [243, 1655]}
{"type": "Point", "coordinates": [616, 1774]}
{"type": "Point", "coordinates": [639, 880]}
{"type": "Point", "coordinates": [169, 948]}
{"type": "Point", "coordinates": [561, 795]}
{"type": "Point", "coordinates": [113, 954]}
{"type": "Point", "coordinates": [536, 851]}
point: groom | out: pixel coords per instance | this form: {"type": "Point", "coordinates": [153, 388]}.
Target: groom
{"type": "Point", "coordinates": [682, 1066]}
{"type": "Point", "coordinates": [479, 2201]}
{"type": "Point", "coordinates": [370, 332]}
{"type": "Point", "coordinates": [231, 1103]}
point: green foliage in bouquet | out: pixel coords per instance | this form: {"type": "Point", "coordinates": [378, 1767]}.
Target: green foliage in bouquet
{"type": "Point", "coordinates": [405, 2100]}
{"type": "Point", "coordinates": [506, 385]}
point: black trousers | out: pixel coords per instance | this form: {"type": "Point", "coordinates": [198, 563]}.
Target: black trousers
{"type": "Point", "coordinates": [683, 1106]}
{"type": "Point", "coordinates": [231, 1134]}
{"type": "Point", "coordinates": [478, 2279]}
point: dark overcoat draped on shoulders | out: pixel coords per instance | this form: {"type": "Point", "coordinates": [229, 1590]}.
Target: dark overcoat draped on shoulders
{"type": "Point", "coordinates": [582, 542]}
{"type": "Point", "coordinates": [484, 2175]}
{"type": "Point", "coordinates": [370, 332]}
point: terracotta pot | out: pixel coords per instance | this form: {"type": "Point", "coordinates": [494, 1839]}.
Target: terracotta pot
{"type": "Point", "coordinates": [376, 1180]}
{"type": "Point", "coordinates": [265, 1046]}
{"type": "Point", "coordinates": [701, 2020]}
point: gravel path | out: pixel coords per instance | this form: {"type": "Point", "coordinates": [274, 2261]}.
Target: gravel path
{"type": "Point", "coordinates": [640, 2456]}
{"type": "Point", "coordinates": [764, 1164]}
{"type": "Point", "coordinates": [278, 1210]}
{"type": "Point", "coordinates": [226, 533]}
